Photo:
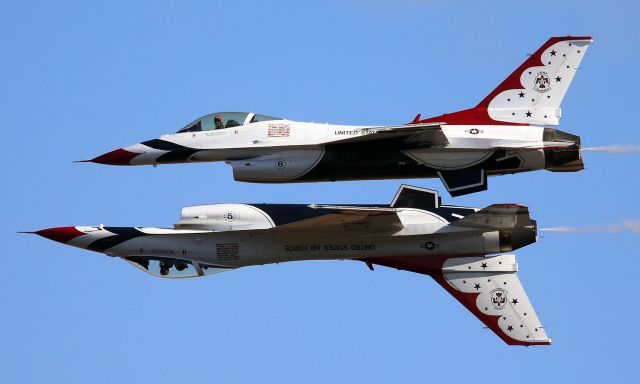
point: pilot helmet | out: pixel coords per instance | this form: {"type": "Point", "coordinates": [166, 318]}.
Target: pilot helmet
{"type": "Point", "coordinates": [219, 121]}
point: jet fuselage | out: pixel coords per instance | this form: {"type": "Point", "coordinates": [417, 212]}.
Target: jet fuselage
{"type": "Point", "coordinates": [284, 151]}
{"type": "Point", "coordinates": [415, 233]}
{"type": "Point", "coordinates": [507, 132]}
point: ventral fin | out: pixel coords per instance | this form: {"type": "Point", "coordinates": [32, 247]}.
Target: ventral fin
{"type": "Point", "coordinates": [464, 181]}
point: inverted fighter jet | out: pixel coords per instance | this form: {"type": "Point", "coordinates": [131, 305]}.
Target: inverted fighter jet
{"type": "Point", "coordinates": [505, 133]}
{"type": "Point", "coordinates": [461, 248]}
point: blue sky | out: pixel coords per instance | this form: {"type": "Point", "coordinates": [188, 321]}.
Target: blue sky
{"type": "Point", "coordinates": [81, 78]}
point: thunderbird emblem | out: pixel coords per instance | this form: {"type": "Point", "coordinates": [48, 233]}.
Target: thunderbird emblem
{"type": "Point", "coordinates": [499, 298]}
{"type": "Point", "coordinates": [542, 83]}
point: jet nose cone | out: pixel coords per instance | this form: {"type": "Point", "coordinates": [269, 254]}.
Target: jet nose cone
{"type": "Point", "coordinates": [118, 157]}
{"type": "Point", "coordinates": [60, 234]}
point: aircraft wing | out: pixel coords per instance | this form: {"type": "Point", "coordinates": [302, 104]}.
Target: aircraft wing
{"type": "Point", "coordinates": [488, 287]}
{"type": "Point", "coordinates": [353, 220]}
{"type": "Point", "coordinates": [429, 134]}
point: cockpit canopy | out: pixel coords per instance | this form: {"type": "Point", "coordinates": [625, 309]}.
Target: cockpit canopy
{"type": "Point", "coordinates": [221, 120]}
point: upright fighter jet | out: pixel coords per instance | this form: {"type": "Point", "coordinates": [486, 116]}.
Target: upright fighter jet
{"type": "Point", "coordinates": [505, 133]}
{"type": "Point", "coordinates": [414, 233]}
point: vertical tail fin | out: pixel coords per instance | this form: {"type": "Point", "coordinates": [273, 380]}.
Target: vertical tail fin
{"type": "Point", "coordinates": [490, 289]}
{"type": "Point", "coordinates": [533, 92]}
{"type": "Point", "coordinates": [487, 286]}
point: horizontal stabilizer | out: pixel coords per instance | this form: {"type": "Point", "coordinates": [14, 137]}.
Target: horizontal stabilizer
{"type": "Point", "coordinates": [498, 216]}
{"type": "Point", "coordinates": [537, 144]}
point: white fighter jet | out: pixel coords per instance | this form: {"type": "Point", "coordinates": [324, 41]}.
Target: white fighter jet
{"type": "Point", "coordinates": [505, 133]}
{"type": "Point", "coordinates": [463, 249]}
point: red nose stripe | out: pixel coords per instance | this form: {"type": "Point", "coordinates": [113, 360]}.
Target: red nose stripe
{"type": "Point", "coordinates": [117, 157]}
{"type": "Point", "coordinates": [60, 234]}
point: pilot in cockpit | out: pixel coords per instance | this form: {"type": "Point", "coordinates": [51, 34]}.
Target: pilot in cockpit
{"type": "Point", "coordinates": [218, 121]}
{"type": "Point", "coordinates": [165, 268]}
